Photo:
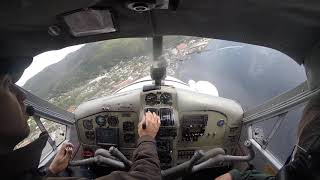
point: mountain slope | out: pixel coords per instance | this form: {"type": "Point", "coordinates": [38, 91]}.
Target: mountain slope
{"type": "Point", "coordinates": [84, 64]}
{"type": "Point", "coordinates": [72, 80]}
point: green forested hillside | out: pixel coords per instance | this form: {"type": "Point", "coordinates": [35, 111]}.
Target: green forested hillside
{"type": "Point", "coordinates": [87, 63]}
{"type": "Point", "coordinates": [84, 64]}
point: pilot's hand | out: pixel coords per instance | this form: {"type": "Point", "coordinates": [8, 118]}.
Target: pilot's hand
{"type": "Point", "coordinates": [61, 161]}
{"type": "Point", "coordinates": [226, 176]}
{"type": "Point", "coordinates": [152, 122]}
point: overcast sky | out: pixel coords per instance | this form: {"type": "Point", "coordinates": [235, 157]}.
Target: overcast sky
{"type": "Point", "coordinates": [43, 60]}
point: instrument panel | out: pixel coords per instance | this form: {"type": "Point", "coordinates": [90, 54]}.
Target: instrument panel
{"type": "Point", "coordinates": [158, 98]}
{"type": "Point", "coordinates": [109, 129]}
{"type": "Point", "coordinates": [189, 122]}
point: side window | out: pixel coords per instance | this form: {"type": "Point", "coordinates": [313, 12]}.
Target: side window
{"type": "Point", "coordinates": [56, 131]}
{"type": "Point", "coordinates": [278, 134]}
{"type": "Point", "coordinates": [286, 134]}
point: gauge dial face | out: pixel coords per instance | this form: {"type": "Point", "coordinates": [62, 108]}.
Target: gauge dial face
{"type": "Point", "coordinates": [151, 99]}
{"type": "Point", "coordinates": [101, 120]}
{"type": "Point", "coordinates": [87, 124]}
{"type": "Point", "coordinates": [113, 120]}
{"type": "Point", "coordinates": [166, 98]}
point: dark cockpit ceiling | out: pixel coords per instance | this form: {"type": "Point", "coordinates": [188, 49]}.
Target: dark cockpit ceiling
{"type": "Point", "coordinates": [290, 26]}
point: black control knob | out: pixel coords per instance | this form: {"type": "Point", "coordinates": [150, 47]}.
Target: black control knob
{"type": "Point", "coordinates": [30, 110]}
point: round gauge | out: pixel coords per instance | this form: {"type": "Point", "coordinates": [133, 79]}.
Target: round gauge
{"type": "Point", "coordinates": [151, 99]}
{"type": "Point", "coordinates": [113, 121]}
{"type": "Point", "coordinates": [87, 124]}
{"type": "Point", "coordinates": [166, 98]}
{"type": "Point", "coordinates": [101, 120]}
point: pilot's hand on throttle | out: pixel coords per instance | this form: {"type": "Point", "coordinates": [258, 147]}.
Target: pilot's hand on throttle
{"type": "Point", "coordinates": [61, 161]}
{"type": "Point", "coordinates": [152, 122]}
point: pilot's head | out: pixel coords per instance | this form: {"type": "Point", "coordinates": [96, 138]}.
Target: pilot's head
{"type": "Point", "coordinates": [14, 127]}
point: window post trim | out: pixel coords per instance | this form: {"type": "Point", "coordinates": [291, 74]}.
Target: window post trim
{"type": "Point", "coordinates": [43, 129]}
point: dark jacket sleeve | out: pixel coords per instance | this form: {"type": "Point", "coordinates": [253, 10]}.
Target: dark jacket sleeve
{"type": "Point", "coordinates": [250, 175]}
{"type": "Point", "coordinates": [146, 164]}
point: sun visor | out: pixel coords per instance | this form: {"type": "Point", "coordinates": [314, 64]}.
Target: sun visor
{"type": "Point", "coordinates": [90, 22]}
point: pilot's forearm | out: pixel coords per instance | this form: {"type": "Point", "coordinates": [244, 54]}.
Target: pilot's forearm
{"type": "Point", "coordinates": [146, 164]}
{"type": "Point", "coordinates": [146, 152]}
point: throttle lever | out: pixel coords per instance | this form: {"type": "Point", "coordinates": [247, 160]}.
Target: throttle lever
{"type": "Point", "coordinates": [104, 153]}
{"type": "Point", "coordinates": [115, 152]}
{"type": "Point", "coordinates": [196, 156]}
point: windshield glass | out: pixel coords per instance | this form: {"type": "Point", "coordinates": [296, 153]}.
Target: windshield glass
{"type": "Point", "coordinates": [246, 73]}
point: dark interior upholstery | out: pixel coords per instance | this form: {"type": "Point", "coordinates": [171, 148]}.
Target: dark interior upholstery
{"type": "Point", "coordinates": [290, 26]}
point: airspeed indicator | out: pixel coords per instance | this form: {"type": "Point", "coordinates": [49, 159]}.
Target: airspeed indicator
{"type": "Point", "coordinates": [101, 120]}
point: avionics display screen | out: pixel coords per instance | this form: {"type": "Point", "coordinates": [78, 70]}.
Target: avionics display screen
{"type": "Point", "coordinates": [107, 136]}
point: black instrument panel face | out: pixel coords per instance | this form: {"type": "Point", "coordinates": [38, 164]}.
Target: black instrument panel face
{"type": "Point", "coordinates": [113, 121]}
{"type": "Point", "coordinates": [107, 136]}
{"type": "Point", "coordinates": [158, 98]}
{"type": "Point", "coordinates": [193, 126]}
{"type": "Point", "coordinates": [151, 99]}
{"type": "Point", "coordinates": [166, 98]}
{"type": "Point", "coordinates": [109, 128]}
{"type": "Point", "coordinates": [202, 128]}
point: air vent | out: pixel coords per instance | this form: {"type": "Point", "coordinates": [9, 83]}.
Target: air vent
{"type": "Point", "coordinates": [141, 5]}
{"type": "Point", "coordinates": [147, 5]}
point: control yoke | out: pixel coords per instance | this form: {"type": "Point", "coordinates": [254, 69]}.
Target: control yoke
{"type": "Point", "coordinates": [199, 161]}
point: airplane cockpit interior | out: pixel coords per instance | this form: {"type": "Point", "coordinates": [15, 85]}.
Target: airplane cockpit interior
{"type": "Point", "coordinates": [208, 124]}
{"type": "Point", "coordinates": [203, 132]}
